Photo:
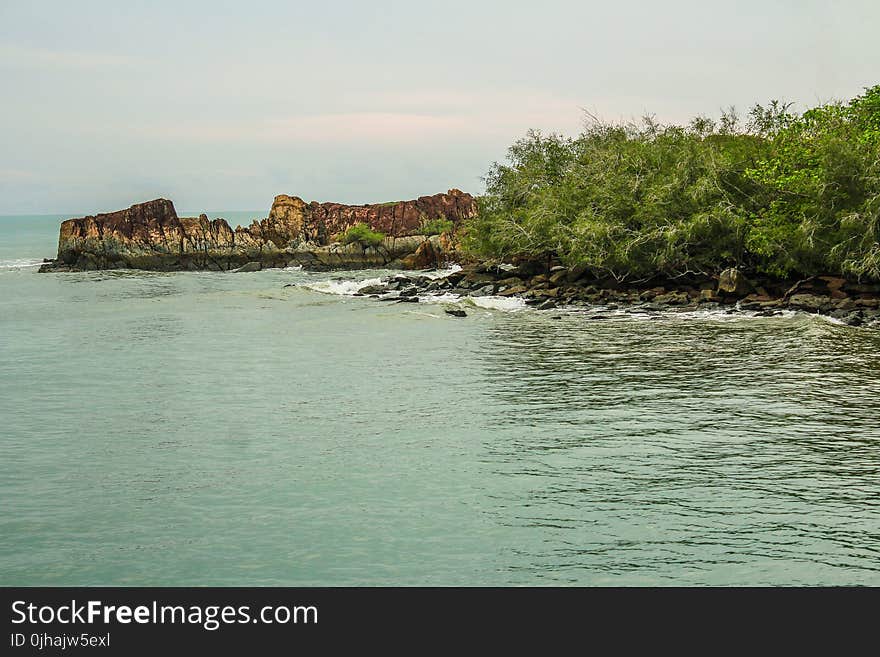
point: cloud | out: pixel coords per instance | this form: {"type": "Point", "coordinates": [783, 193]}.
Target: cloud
{"type": "Point", "coordinates": [15, 56]}
{"type": "Point", "coordinates": [389, 118]}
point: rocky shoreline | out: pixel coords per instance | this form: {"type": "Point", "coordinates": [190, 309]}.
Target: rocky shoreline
{"type": "Point", "coordinates": [151, 236]}
{"type": "Point", "coordinates": [551, 286]}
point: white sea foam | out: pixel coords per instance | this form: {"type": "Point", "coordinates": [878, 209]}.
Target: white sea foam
{"type": "Point", "coordinates": [20, 263]}
{"type": "Point", "coordinates": [505, 304]}
{"type": "Point", "coordinates": [710, 314]}
{"type": "Point", "coordinates": [342, 287]}
{"type": "Point", "coordinates": [440, 273]}
{"type": "Point", "coordinates": [294, 268]}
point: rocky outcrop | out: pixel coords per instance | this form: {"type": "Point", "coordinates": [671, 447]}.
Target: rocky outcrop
{"type": "Point", "coordinates": [321, 222]}
{"type": "Point", "coordinates": [548, 285]}
{"type": "Point", "coordinates": [151, 236]}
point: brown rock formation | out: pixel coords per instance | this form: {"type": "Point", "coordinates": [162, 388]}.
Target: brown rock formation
{"type": "Point", "coordinates": [151, 236]}
{"type": "Point", "coordinates": [320, 222]}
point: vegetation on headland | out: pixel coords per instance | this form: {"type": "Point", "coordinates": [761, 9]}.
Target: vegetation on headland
{"type": "Point", "coordinates": [363, 235]}
{"type": "Point", "coordinates": [436, 226]}
{"type": "Point", "coordinates": [781, 193]}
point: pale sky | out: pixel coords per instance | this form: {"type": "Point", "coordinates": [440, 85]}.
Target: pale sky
{"type": "Point", "coordinates": [222, 105]}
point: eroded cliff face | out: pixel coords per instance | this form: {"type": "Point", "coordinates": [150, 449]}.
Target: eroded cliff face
{"type": "Point", "coordinates": [320, 222]}
{"type": "Point", "coordinates": [151, 236]}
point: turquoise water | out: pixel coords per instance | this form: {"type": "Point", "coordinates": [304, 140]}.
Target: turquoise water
{"type": "Point", "coordinates": [220, 428]}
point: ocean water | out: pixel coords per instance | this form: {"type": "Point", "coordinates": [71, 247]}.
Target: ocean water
{"type": "Point", "coordinates": [223, 429]}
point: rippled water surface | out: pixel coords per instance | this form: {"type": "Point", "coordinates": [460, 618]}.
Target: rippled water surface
{"type": "Point", "coordinates": [220, 428]}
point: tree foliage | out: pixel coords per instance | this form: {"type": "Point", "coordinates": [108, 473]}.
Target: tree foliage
{"type": "Point", "coordinates": [363, 235]}
{"type": "Point", "coordinates": [784, 194]}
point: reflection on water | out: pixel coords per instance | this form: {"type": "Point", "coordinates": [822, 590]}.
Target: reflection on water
{"type": "Point", "coordinates": [688, 451]}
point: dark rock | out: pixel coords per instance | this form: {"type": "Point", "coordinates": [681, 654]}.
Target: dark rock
{"type": "Point", "coordinates": [408, 300]}
{"type": "Point", "coordinates": [511, 281]}
{"type": "Point", "coordinates": [456, 313]}
{"type": "Point", "coordinates": [538, 280]}
{"type": "Point", "coordinates": [547, 305]}
{"type": "Point", "coordinates": [733, 282]}
{"type": "Point", "coordinates": [576, 273]}
{"type": "Point", "coordinates": [373, 289]}
{"type": "Point", "coordinates": [672, 298]}
{"type": "Point", "coordinates": [513, 291]}
{"type": "Point", "coordinates": [862, 288]}
{"type": "Point", "coordinates": [484, 291]}
{"type": "Point", "coordinates": [809, 302]}
{"type": "Point", "coordinates": [455, 277]}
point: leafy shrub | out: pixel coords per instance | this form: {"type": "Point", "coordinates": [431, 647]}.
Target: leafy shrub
{"type": "Point", "coordinates": [362, 234]}
{"type": "Point", "coordinates": [785, 194]}
{"type": "Point", "coordinates": [436, 226]}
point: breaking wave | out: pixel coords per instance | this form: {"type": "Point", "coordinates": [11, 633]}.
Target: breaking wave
{"type": "Point", "coordinates": [20, 263]}
{"type": "Point", "coordinates": [342, 287]}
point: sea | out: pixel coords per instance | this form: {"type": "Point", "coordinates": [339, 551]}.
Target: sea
{"type": "Point", "coordinates": [271, 428]}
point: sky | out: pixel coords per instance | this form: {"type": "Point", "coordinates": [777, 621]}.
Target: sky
{"type": "Point", "coordinates": [223, 105]}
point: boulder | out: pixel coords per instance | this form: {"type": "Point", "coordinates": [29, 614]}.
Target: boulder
{"type": "Point", "coordinates": [732, 282]}
{"type": "Point", "coordinates": [373, 289]}
{"type": "Point", "coordinates": [809, 302]}
{"type": "Point", "coordinates": [513, 291]}
{"type": "Point", "coordinates": [672, 299]}
{"type": "Point", "coordinates": [485, 291]}
{"type": "Point", "coordinates": [576, 273]}
{"type": "Point", "coordinates": [426, 256]}
{"type": "Point", "coordinates": [833, 282]}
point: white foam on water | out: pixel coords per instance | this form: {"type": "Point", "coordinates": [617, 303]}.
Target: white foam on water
{"type": "Point", "coordinates": [293, 268]}
{"type": "Point", "coordinates": [342, 287]}
{"type": "Point", "coordinates": [707, 314]}
{"type": "Point", "coordinates": [446, 297]}
{"type": "Point", "coordinates": [20, 263]}
{"type": "Point", "coordinates": [504, 304]}
{"type": "Point", "coordinates": [439, 273]}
